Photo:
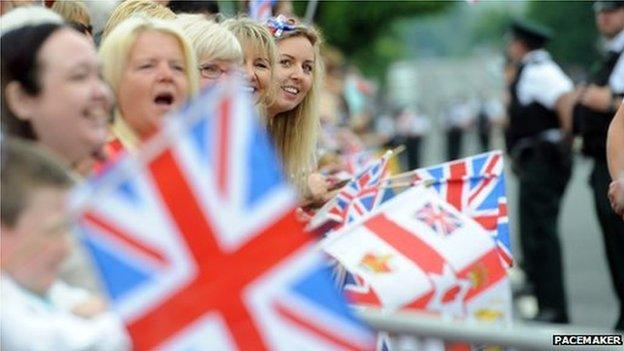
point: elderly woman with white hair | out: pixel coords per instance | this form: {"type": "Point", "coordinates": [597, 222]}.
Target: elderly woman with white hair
{"type": "Point", "coordinates": [217, 51]}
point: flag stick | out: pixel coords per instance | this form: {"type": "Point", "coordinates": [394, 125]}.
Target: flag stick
{"type": "Point", "coordinates": [425, 183]}
{"type": "Point", "coordinates": [397, 150]}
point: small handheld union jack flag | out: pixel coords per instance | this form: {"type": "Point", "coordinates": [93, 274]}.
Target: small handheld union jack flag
{"type": "Point", "coordinates": [439, 219]}
{"type": "Point", "coordinates": [475, 186]}
{"type": "Point", "coordinates": [362, 194]}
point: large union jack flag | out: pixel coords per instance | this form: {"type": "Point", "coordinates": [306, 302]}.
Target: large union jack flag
{"type": "Point", "coordinates": [197, 252]}
{"type": "Point", "coordinates": [476, 187]}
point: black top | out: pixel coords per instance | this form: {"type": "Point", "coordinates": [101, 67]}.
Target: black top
{"type": "Point", "coordinates": [593, 125]}
{"type": "Point", "coordinates": [526, 121]}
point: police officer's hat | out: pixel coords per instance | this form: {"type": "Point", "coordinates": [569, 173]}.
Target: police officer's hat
{"type": "Point", "coordinates": [600, 6]}
{"type": "Point", "coordinates": [534, 35]}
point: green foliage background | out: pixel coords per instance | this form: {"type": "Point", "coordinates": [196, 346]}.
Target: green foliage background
{"type": "Point", "coordinates": [368, 32]}
{"type": "Point", "coordinates": [575, 38]}
{"type": "Point", "coordinates": [373, 34]}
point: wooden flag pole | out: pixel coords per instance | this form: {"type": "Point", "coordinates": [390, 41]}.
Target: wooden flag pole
{"type": "Point", "coordinates": [425, 183]}
{"type": "Point", "coordinates": [397, 150]}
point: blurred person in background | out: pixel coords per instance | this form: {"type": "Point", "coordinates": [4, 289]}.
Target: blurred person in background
{"type": "Point", "coordinates": [130, 8]}
{"type": "Point", "coordinates": [76, 14]}
{"type": "Point", "coordinates": [217, 51]}
{"type": "Point", "coordinates": [52, 92]}
{"type": "Point", "coordinates": [491, 113]}
{"type": "Point", "coordinates": [151, 68]}
{"type": "Point", "coordinates": [597, 104]}
{"type": "Point", "coordinates": [458, 119]}
{"type": "Point", "coordinates": [412, 126]}
{"type": "Point", "coordinates": [8, 5]}
{"type": "Point", "coordinates": [206, 8]}
{"type": "Point", "coordinates": [536, 137]}
{"type": "Point", "coordinates": [259, 59]}
{"type": "Point", "coordinates": [28, 15]}
{"type": "Point", "coordinates": [39, 311]}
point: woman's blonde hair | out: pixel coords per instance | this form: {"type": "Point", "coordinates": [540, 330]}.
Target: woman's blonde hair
{"type": "Point", "coordinates": [295, 132]}
{"type": "Point", "coordinates": [254, 35]}
{"type": "Point", "coordinates": [210, 39]}
{"type": "Point", "coordinates": [130, 8]}
{"type": "Point", "coordinates": [116, 47]}
{"type": "Point", "coordinates": [72, 11]}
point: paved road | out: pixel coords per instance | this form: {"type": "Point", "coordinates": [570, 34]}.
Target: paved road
{"type": "Point", "coordinates": [590, 296]}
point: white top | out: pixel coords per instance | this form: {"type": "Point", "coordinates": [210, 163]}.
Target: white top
{"type": "Point", "coordinates": [460, 114]}
{"type": "Point", "coordinates": [412, 124]}
{"type": "Point", "coordinates": [494, 110]}
{"type": "Point", "coordinates": [34, 323]}
{"type": "Point", "coordinates": [542, 80]}
{"type": "Point", "coordinates": [616, 79]}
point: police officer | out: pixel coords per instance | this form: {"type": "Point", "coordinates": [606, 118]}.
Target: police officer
{"type": "Point", "coordinates": [539, 120]}
{"type": "Point", "coordinates": [596, 107]}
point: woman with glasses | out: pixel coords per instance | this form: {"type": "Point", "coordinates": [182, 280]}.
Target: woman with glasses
{"type": "Point", "coordinates": [217, 51]}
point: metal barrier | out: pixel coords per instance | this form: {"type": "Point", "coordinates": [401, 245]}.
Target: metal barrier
{"type": "Point", "coordinates": [521, 336]}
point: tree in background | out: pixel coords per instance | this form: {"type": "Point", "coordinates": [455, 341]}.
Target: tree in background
{"type": "Point", "coordinates": [574, 30]}
{"type": "Point", "coordinates": [366, 31]}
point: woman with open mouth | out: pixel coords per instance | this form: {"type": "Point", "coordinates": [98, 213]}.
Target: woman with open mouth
{"type": "Point", "coordinates": [150, 66]}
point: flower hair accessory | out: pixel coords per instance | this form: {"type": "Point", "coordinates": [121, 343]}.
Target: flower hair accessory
{"type": "Point", "coordinates": [280, 24]}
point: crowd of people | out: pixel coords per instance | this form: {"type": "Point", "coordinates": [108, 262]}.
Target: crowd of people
{"type": "Point", "coordinates": [75, 98]}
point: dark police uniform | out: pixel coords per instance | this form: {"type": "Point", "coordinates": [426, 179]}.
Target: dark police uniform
{"type": "Point", "coordinates": [592, 126]}
{"type": "Point", "coordinates": [542, 161]}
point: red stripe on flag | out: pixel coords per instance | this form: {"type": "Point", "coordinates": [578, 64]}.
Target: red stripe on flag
{"type": "Point", "coordinates": [456, 346]}
{"type": "Point", "coordinates": [407, 243]}
{"type": "Point", "coordinates": [483, 273]}
{"type": "Point", "coordinates": [221, 277]}
{"type": "Point", "coordinates": [489, 222]}
{"type": "Point", "coordinates": [488, 175]}
{"type": "Point", "coordinates": [455, 184]}
{"type": "Point", "coordinates": [175, 313]}
{"type": "Point", "coordinates": [422, 302]}
{"type": "Point", "coordinates": [490, 167]}
{"type": "Point", "coordinates": [362, 295]}
{"type": "Point", "coordinates": [222, 165]}
{"type": "Point", "coordinates": [294, 317]}
{"type": "Point", "coordinates": [128, 241]}
{"type": "Point", "coordinates": [502, 209]}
